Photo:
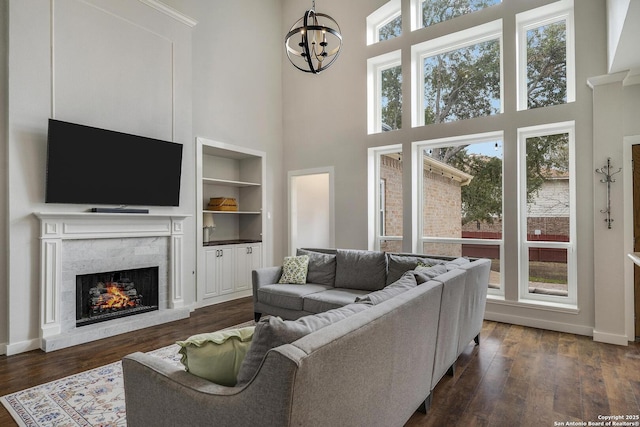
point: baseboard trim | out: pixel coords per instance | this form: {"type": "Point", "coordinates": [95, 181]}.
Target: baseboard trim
{"type": "Point", "coordinates": [539, 323]}
{"type": "Point", "coordinates": [3, 348]}
{"type": "Point", "coordinates": [22, 347]}
{"type": "Point", "coordinates": [610, 338]}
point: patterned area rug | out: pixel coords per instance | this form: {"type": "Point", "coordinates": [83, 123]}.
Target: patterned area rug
{"type": "Point", "coordinates": [90, 398]}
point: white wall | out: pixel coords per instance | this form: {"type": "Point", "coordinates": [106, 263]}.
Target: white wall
{"type": "Point", "coordinates": [4, 304]}
{"type": "Point", "coordinates": [325, 125]}
{"type": "Point", "coordinates": [123, 65]}
{"type": "Point", "coordinates": [237, 97]}
{"type": "Point", "coordinates": [325, 116]}
{"type": "Point", "coordinates": [115, 64]}
{"type": "Point", "coordinates": [615, 117]}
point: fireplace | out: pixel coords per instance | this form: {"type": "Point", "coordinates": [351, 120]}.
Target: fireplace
{"type": "Point", "coordinates": [113, 294]}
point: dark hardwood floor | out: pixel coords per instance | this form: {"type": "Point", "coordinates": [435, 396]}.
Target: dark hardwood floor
{"type": "Point", "coordinates": [518, 376]}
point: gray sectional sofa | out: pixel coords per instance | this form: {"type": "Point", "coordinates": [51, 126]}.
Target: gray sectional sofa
{"type": "Point", "coordinates": [372, 362]}
{"type": "Point", "coordinates": [336, 278]}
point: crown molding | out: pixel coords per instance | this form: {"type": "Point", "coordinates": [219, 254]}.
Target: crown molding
{"type": "Point", "coordinates": [171, 12]}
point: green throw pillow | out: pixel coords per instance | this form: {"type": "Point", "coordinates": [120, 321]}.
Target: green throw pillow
{"type": "Point", "coordinates": [216, 356]}
{"type": "Point", "coordinates": [294, 269]}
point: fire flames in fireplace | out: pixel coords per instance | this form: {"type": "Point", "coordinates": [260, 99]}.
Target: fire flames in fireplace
{"type": "Point", "coordinates": [113, 296]}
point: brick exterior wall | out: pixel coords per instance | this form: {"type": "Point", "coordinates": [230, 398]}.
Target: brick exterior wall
{"type": "Point", "coordinates": [442, 197]}
{"type": "Point", "coordinates": [391, 173]}
{"type": "Point", "coordinates": [442, 206]}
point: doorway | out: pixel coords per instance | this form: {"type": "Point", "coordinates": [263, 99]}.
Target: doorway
{"type": "Point", "coordinates": [311, 209]}
{"type": "Point", "coordinates": [635, 156]}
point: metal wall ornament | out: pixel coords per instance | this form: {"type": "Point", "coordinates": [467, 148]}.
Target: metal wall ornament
{"type": "Point", "coordinates": [313, 43]}
{"type": "Point", "coordinates": [606, 171]}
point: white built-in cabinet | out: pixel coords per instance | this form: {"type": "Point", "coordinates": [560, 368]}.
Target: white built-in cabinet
{"type": "Point", "coordinates": [235, 247]}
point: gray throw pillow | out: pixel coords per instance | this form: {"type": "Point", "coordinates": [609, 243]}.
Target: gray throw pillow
{"type": "Point", "coordinates": [362, 270]}
{"type": "Point", "coordinates": [273, 332]}
{"type": "Point", "coordinates": [424, 274]}
{"type": "Point", "coordinates": [403, 284]}
{"type": "Point", "coordinates": [322, 267]}
{"type": "Point", "coordinates": [399, 264]}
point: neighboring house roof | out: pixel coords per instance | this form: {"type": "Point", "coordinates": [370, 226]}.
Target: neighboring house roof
{"type": "Point", "coordinates": [436, 166]}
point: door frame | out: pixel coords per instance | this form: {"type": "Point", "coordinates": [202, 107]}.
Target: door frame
{"type": "Point", "coordinates": [627, 177]}
{"type": "Point", "coordinates": [291, 175]}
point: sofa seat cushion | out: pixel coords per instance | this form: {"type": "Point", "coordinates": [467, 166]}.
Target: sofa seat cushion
{"type": "Point", "coordinates": [333, 298]}
{"type": "Point", "coordinates": [273, 332]}
{"type": "Point", "coordinates": [288, 295]}
{"type": "Point", "coordinates": [361, 270]}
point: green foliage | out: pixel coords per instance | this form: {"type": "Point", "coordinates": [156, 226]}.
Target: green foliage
{"type": "Point", "coordinates": [391, 30]}
{"type": "Point", "coordinates": [463, 83]}
{"type": "Point", "coordinates": [547, 65]}
{"type": "Point", "coordinates": [435, 11]}
{"type": "Point", "coordinates": [392, 97]}
{"type": "Point", "coordinates": [547, 157]}
{"type": "Point", "coordinates": [482, 197]}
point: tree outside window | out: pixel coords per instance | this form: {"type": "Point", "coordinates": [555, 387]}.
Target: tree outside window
{"type": "Point", "coordinates": [547, 65]}
{"type": "Point", "coordinates": [463, 83]}
{"type": "Point", "coordinates": [435, 11]}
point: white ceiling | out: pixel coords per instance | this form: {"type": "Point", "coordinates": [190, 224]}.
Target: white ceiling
{"type": "Point", "coordinates": [626, 54]}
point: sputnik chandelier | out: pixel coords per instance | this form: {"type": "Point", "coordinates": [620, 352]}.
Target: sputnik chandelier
{"type": "Point", "coordinates": [313, 42]}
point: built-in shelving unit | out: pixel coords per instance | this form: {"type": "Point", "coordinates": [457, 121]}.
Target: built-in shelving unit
{"type": "Point", "coordinates": [235, 246]}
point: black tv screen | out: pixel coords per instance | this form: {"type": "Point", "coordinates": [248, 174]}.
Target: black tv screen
{"type": "Point", "coordinates": [88, 165]}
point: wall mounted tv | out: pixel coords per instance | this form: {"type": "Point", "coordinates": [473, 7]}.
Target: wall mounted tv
{"type": "Point", "coordinates": [88, 165]}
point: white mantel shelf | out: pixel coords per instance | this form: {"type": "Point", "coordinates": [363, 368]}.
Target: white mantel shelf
{"type": "Point", "coordinates": [90, 225]}
{"type": "Point", "coordinates": [55, 227]}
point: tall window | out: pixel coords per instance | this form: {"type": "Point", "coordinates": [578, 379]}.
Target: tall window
{"type": "Point", "coordinates": [458, 76]}
{"type": "Point", "coordinates": [546, 59]}
{"type": "Point", "coordinates": [461, 198]}
{"type": "Point", "coordinates": [457, 84]}
{"type": "Point", "coordinates": [385, 92]}
{"type": "Point", "coordinates": [547, 200]}
{"type": "Point", "coordinates": [388, 164]}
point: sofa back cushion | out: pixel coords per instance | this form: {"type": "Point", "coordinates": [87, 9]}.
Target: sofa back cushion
{"type": "Point", "coordinates": [399, 264]}
{"type": "Point", "coordinates": [273, 332]}
{"type": "Point", "coordinates": [403, 284]}
{"type": "Point", "coordinates": [363, 270]}
{"type": "Point", "coordinates": [322, 267]}
{"type": "Point", "coordinates": [424, 274]}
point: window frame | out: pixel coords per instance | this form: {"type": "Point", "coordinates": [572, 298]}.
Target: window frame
{"type": "Point", "coordinates": [381, 17]}
{"type": "Point", "coordinates": [419, 52]}
{"type": "Point", "coordinates": [524, 295]}
{"type": "Point", "coordinates": [418, 201]}
{"type": "Point", "coordinates": [375, 67]}
{"type": "Point", "coordinates": [535, 18]}
{"type": "Point", "coordinates": [375, 208]}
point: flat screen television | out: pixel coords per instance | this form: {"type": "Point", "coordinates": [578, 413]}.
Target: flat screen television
{"type": "Point", "coordinates": [88, 165]}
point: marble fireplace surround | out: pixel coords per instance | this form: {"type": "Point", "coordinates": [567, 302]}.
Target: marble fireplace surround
{"type": "Point", "coordinates": [58, 227]}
